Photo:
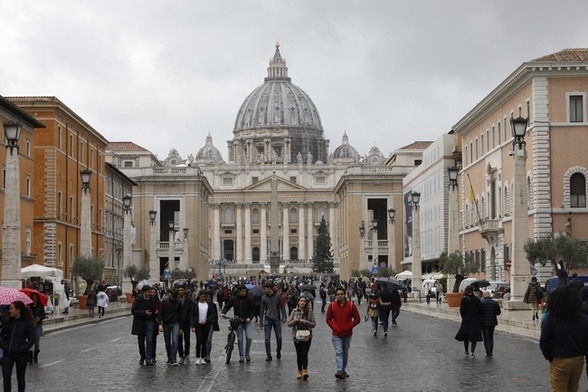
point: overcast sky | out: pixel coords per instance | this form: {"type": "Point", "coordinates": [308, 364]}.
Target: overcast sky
{"type": "Point", "coordinates": [165, 74]}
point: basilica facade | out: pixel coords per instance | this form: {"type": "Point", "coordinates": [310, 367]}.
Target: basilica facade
{"type": "Point", "coordinates": [268, 196]}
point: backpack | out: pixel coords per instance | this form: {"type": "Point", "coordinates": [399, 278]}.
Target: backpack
{"type": "Point", "coordinates": [374, 303]}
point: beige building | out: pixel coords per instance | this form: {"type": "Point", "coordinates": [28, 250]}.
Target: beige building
{"type": "Point", "coordinates": [551, 92]}
{"type": "Point", "coordinates": [227, 207]}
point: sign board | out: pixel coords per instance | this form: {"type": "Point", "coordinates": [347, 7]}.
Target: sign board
{"type": "Point", "coordinates": [508, 263]}
{"type": "Point", "coordinates": [167, 274]}
{"type": "Point", "coordinates": [375, 269]}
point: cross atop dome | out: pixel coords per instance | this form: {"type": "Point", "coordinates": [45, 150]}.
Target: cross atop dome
{"type": "Point", "coordinates": [277, 69]}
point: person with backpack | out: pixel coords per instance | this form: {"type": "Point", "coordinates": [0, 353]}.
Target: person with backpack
{"type": "Point", "coordinates": [373, 312]}
{"type": "Point", "coordinates": [533, 296]}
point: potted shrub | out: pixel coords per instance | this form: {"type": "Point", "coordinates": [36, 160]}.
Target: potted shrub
{"type": "Point", "coordinates": [135, 274]}
{"type": "Point", "coordinates": [90, 269]}
{"type": "Point", "coordinates": [460, 266]}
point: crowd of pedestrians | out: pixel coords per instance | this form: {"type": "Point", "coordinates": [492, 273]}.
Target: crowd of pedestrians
{"type": "Point", "coordinates": [181, 311]}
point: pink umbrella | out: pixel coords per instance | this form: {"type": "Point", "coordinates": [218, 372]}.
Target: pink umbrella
{"type": "Point", "coordinates": [9, 295]}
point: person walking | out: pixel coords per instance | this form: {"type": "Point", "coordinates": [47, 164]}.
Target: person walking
{"type": "Point", "coordinates": [323, 293]}
{"type": "Point", "coordinates": [564, 338]}
{"type": "Point", "coordinates": [490, 309]}
{"type": "Point", "coordinates": [18, 336]}
{"type": "Point", "coordinates": [271, 315]}
{"type": "Point", "coordinates": [169, 323]}
{"type": "Point", "coordinates": [214, 325]}
{"type": "Point", "coordinates": [302, 319]}
{"type": "Point", "coordinates": [185, 305]}
{"type": "Point", "coordinates": [38, 311]}
{"type": "Point", "coordinates": [373, 312]}
{"type": "Point", "coordinates": [533, 296]}
{"type": "Point", "coordinates": [384, 297]}
{"type": "Point", "coordinates": [342, 317]}
{"type": "Point", "coordinates": [102, 302]}
{"type": "Point", "coordinates": [470, 330]}
{"type": "Point", "coordinates": [91, 303]}
{"type": "Point", "coordinates": [396, 304]}
{"type": "Point", "coordinates": [576, 283]}
{"type": "Point", "coordinates": [244, 308]}
{"type": "Point", "coordinates": [201, 319]}
{"type": "Point", "coordinates": [143, 311]}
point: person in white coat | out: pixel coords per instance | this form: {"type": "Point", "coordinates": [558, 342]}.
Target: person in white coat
{"type": "Point", "coordinates": [102, 302]}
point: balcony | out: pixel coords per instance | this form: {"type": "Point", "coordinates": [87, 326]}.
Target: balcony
{"type": "Point", "coordinates": [490, 229]}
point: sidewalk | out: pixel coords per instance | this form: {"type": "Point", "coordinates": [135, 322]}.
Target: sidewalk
{"type": "Point", "coordinates": [515, 322]}
{"type": "Point", "coordinates": [75, 316]}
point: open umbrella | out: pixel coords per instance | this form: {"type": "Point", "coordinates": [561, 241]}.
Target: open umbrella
{"type": "Point", "coordinates": [249, 286]}
{"type": "Point", "coordinates": [307, 287]}
{"type": "Point", "coordinates": [481, 283]}
{"type": "Point", "coordinates": [9, 295]}
{"type": "Point", "coordinates": [256, 291]}
{"type": "Point", "coordinates": [42, 297]}
{"type": "Point", "coordinates": [391, 283]}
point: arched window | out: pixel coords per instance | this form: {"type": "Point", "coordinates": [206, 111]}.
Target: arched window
{"type": "Point", "coordinates": [293, 215]}
{"type": "Point", "coordinates": [255, 216]}
{"type": "Point", "coordinates": [320, 212]}
{"type": "Point", "coordinates": [293, 253]}
{"type": "Point", "coordinates": [577, 190]}
{"type": "Point", "coordinates": [228, 215]}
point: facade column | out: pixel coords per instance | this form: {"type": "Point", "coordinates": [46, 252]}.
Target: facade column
{"type": "Point", "coordinates": [333, 228]}
{"type": "Point", "coordinates": [310, 234]}
{"type": "Point", "coordinates": [247, 233]}
{"type": "Point", "coordinates": [216, 240]}
{"type": "Point", "coordinates": [301, 236]}
{"type": "Point", "coordinates": [239, 224]}
{"type": "Point", "coordinates": [286, 232]}
{"type": "Point", "coordinates": [263, 234]}
{"type": "Point", "coordinates": [520, 226]}
{"type": "Point", "coordinates": [11, 235]}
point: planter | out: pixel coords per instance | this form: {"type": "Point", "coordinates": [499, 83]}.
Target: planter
{"type": "Point", "coordinates": [83, 301]}
{"type": "Point", "coordinates": [454, 299]}
{"type": "Point", "coordinates": [129, 297]}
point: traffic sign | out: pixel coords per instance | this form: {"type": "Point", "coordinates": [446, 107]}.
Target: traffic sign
{"type": "Point", "coordinates": [167, 274]}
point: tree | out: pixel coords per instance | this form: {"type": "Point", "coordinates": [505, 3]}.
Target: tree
{"type": "Point", "coordinates": [323, 256]}
{"type": "Point", "coordinates": [564, 252]}
{"type": "Point", "coordinates": [89, 269]}
{"type": "Point", "coordinates": [136, 274]}
{"type": "Point", "coordinates": [385, 272]}
{"type": "Point", "coordinates": [458, 265]}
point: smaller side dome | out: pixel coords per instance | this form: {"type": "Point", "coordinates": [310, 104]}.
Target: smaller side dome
{"type": "Point", "coordinates": [208, 154]}
{"type": "Point", "coordinates": [345, 152]}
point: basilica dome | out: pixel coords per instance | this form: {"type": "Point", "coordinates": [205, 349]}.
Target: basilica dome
{"type": "Point", "coordinates": [281, 112]}
{"type": "Point", "coordinates": [208, 154]}
{"type": "Point", "coordinates": [345, 152]}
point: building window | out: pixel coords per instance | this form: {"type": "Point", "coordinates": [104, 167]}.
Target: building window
{"type": "Point", "coordinates": [71, 145]}
{"type": "Point", "coordinates": [577, 190]}
{"type": "Point", "coordinates": [28, 236]}
{"type": "Point", "coordinates": [128, 163]}
{"type": "Point", "coordinates": [28, 148]}
{"type": "Point", "coordinates": [320, 213]}
{"type": "Point", "coordinates": [254, 180]}
{"type": "Point", "coordinates": [255, 254]}
{"type": "Point", "coordinates": [417, 162]}
{"type": "Point", "coordinates": [28, 186]}
{"type": "Point", "coordinates": [293, 215]}
{"type": "Point", "coordinates": [227, 180]}
{"type": "Point", "coordinates": [255, 216]}
{"type": "Point", "coordinates": [293, 253]}
{"type": "Point", "coordinates": [228, 215]}
{"type": "Point", "coordinates": [293, 180]}
{"type": "Point", "coordinates": [576, 109]}
{"type": "Point", "coordinates": [321, 180]}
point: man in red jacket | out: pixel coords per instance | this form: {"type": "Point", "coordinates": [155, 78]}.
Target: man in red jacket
{"type": "Point", "coordinates": [342, 317]}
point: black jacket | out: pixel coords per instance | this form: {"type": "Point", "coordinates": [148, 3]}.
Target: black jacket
{"type": "Point", "coordinates": [211, 314]}
{"type": "Point", "coordinates": [39, 313]}
{"type": "Point", "coordinates": [490, 309]}
{"type": "Point", "coordinates": [169, 312]}
{"type": "Point", "coordinates": [185, 311]}
{"type": "Point", "coordinates": [17, 336]}
{"type": "Point", "coordinates": [140, 317]}
{"type": "Point", "coordinates": [243, 307]}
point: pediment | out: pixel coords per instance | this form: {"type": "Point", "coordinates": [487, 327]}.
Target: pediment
{"type": "Point", "coordinates": [265, 185]}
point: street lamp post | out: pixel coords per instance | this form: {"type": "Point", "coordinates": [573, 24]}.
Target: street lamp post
{"type": "Point", "coordinates": [127, 286]}
{"type": "Point", "coordinates": [363, 259]}
{"type": "Point", "coordinates": [375, 243]}
{"type": "Point", "coordinates": [11, 235]}
{"type": "Point", "coordinates": [391, 246]}
{"type": "Point", "coordinates": [171, 263]}
{"type": "Point", "coordinates": [520, 224]}
{"type": "Point", "coordinates": [153, 260]}
{"type": "Point", "coordinates": [184, 265]}
{"type": "Point", "coordinates": [85, 216]}
{"type": "Point", "coordinates": [453, 243]}
{"type": "Point", "coordinates": [416, 246]}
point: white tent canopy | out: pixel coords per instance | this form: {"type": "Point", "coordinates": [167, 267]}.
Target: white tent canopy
{"type": "Point", "coordinates": [433, 275]}
{"type": "Point", "coordinates": [37, 270]}
{"type": "Point", "coordinates": [404, 275]}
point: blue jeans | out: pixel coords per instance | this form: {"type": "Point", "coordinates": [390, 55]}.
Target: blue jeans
{"type": "Point", "coordinates": [145, 341]}
{"type": "Point", "coordinates": [38, 333]}
{"type": "Point", "coordinates": [267, 329]}
{"type": "Point", "coordinates": [374, 323]}
{"type": "Point", "coordinates": [384, 315]}
{"type": "Point", "coordinates": [170, 334]}
{"type": "Point", "coordinates": [244, 327]}
{"type": "Point", "coordinates": [341, 351]}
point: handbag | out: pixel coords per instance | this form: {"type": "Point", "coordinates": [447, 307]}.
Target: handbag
{"type": "Point", "coordinates": [302, 335]}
